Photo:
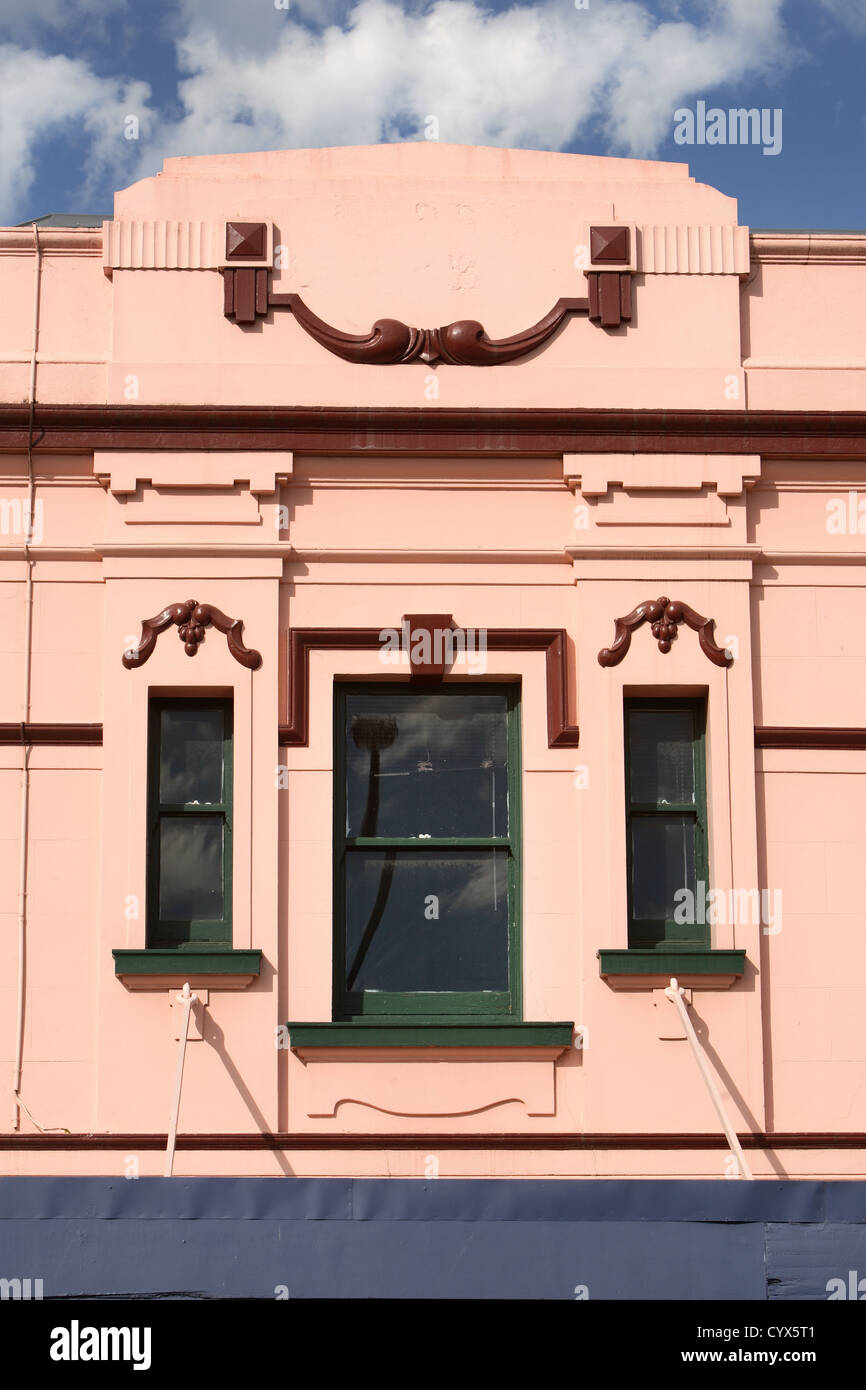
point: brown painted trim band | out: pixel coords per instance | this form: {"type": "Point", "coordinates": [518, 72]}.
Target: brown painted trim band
{"type": "Point", "coordinates": [426, 1142]}
{"type": "Point", "coordinates": [784, 736]}
{"type": "Point", "coordinates": [58, 735]}
{"type": "Point", "coordinates": [775, 434]}
{"type": "Point", "coordinates": [294, 732]}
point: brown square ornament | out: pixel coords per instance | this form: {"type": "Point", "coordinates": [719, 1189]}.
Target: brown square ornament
{"type": "Point", "coordinates": [609, 245]}
{"type": "Point", "coordinates": [246, 241]}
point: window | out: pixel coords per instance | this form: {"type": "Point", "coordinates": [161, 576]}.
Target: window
{"type": "Point", "coordinates": [426, 851]}
{"type": "Point", "coordinates": [189, 877]}
{"type": "Point", "coordinates": [666, 822]}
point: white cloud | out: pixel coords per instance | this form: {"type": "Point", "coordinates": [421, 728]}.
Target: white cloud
{"type": "Point", "coordinates": [531, 75]}
{"type": "Point", "coordinates": [23, 22]}
{"type": "Point", "coordinates": [850, 13]}
{"type": "Point", "coordinates": [255, 77]}
{"type": "Point", "coordinates": [255, 26]}
{"type": "Point", "coordinates": [43, 96]}
{"type": "Point", "coordinates": [673, 62]}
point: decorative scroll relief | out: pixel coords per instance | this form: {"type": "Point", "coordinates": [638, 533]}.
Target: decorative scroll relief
{"type": "Point", "coordinates": [389, 342]}
{"type": "Point", "coordinates": [191, 618]}
{"type": "Point", "coordinates": [665, 618]}
{"type": "Point", "coordinates": [409, 1086]}
{"type": "Point", "coordinates": [248, 295]}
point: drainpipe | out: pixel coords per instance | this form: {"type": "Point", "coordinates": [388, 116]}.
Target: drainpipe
{"type": "Point", "coordinates": [675, 995]}
{"type": "Point", "coordinates": [25, 704]}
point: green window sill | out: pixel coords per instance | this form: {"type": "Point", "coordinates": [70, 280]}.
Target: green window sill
{"type": "Point", "coordinates": [535, 1039]}
{"type": "Point", "coordinates": [216, 967]}
{"type": "Point", "coordinates": [645, 967]}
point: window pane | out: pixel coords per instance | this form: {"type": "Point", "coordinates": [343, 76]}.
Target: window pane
{"type": "Point", "coordinates": [191, 755]}
{"type": "Point", "coordinates": [427, 764]}
{"type": "Point", "coordinates": [661, 756]}
{"type": "Point", "coordinates": [191, 868]}
{"type": "Point", "coordinates": [420, 921]}
{"type": "Point", "coordinates": [663, 862]}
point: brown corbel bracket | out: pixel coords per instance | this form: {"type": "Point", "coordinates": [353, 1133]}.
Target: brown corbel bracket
{"type": "Point", "coordinates": [192, 618]}
{"type": "Point", "coordinates": [665, 618]}
{"type": "Point", "coordinates": [391, 342]}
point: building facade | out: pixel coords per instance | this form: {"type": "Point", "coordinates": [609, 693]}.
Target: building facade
{"type": "Point", "coordinates": [427, 696]}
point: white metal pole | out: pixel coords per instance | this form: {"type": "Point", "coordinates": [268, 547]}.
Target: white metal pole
{"type": "Point", "coordinates": [187, 999]}
{"type": "Point", "coordinates": [675, 994]}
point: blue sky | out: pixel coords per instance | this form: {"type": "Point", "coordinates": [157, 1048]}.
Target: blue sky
{"type": "Point", "coordinates": [589, 76]}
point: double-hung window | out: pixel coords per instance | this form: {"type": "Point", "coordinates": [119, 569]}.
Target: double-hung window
{"type": "Point", "coordinates": [189, 823]}
{"type": "Point", "coordinates": [427, 852]}
{"type": "Point", "coordinates": [666, 822]}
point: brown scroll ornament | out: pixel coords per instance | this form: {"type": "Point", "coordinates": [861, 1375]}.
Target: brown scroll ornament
{"type": "Point", "coordinates": [389, 341]}
{"type": "Point", "coordinates": [665, 618]}
{"type": "Point", "coordinates": [248, 296]}
{"type": "Point", "coordinates": [191, 618]}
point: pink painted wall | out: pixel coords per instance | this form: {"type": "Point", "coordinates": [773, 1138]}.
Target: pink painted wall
{"type": "Point", "coordinates": [430, 234]}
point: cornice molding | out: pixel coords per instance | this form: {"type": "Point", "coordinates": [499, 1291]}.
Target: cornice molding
{"type": "Point", "coordinates": [82, 241]}
{"type": "Point", "coordinates": [431, 431]}
{"type": "Point", "coordinates": [683, 248]}
{"type": "Point", "coordinates": [122, 473]}
{"type": "Point", "coordinates": [186, 549]}
{"type": "Point", "coordinates": [653, 550]}
{"type": "Point", "coordinates": [431, 556]}
{"type": "Point", "coordinates": [133, 244]}
{"type": "Point", "coordinates": [595, 475]}
{"type": "Point", "coordinates": [808, 248]}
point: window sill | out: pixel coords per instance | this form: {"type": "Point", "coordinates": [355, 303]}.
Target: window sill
{"type": "Point", "coordinates": [648, 968]}
{"type": "Point", "coordinates": [211, 967]}
{"type": "Point", "coordinates": [510, 1040]}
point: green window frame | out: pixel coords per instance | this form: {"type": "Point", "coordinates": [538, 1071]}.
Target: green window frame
{"type": "Point", "coordinates": [198, 817]}
{"type": "Point", "coordinates": [684, 856]}
{"type": "Point", "coordinates": [442, 1005]}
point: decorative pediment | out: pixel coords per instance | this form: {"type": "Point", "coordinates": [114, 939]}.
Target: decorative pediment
{"type": "Point", "coordinates": [418, 638]}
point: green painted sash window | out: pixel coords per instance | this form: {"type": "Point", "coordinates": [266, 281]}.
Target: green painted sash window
{"type": "Point", "coordinates": [426, 841]}
{"type": "Point", "coordinates": [189, 823]}
{"type": "Point", "coordinates": [666, 814]}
